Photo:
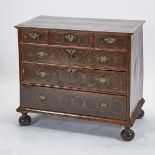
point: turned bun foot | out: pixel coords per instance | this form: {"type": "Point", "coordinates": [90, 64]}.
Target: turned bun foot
{"type": "Point", "coordinates": [24, 120]}
{"type": "Point", "coordinates": [141, 114]}
{"type": "Point", "coordinates": [127, 134]}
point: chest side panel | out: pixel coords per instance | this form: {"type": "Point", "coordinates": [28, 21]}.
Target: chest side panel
{"type": "Point", "coordinates": [136, 85]}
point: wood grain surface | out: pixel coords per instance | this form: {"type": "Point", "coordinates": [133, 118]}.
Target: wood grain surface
{"type": "Point", "coordinates": [84, 24]}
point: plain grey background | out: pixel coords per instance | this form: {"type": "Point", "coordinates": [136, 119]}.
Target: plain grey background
{"type": "Point", "coordinates": [60, 136]}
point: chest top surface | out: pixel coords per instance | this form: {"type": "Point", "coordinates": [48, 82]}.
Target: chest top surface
{"type": "Point", "coordinates": [84, 24]}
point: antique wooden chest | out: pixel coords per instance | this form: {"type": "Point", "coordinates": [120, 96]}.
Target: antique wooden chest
{"type": "Point", "coordinates": [82, 68]}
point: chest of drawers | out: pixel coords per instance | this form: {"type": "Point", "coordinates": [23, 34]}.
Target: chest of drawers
{"type": "Point", "coordinates": [82, 68]}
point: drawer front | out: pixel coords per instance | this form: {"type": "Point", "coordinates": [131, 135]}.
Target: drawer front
{"type": "Point", "coordinates": [110, 41]}
{"type": "Point", "coordinates": [74, 102]}
{"type": "Point", "coordinates": [74, 56]}
{"type": "Point", "coordinates": [33, 36]}
{"type": "Point", "coordinates": [95, 80]}
{"type": "Point", "coordinates": [71, 38]}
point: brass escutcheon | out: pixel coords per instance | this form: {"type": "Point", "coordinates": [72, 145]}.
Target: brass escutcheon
{"type": "Point", "coordinates": [110, 40]}
{"type": "Point", "coordinates": [103, 59]}
{"type": "Point", "coordinates": [42, 98]}
{"type": "Point", "coordinates": [70, 37]}
{"type": "Point", "coordinates": [104, 106]}
{"type": "Point", "coordinates": [71, 52]}
{"type": "Point", "coordinates": [42, 74]}
{"type": "Point", "coordinates": [41, 54]}
{"type": "Point", "coordinates": [33, 35]}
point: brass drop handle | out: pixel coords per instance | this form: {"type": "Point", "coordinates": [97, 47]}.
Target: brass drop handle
{"type": "Point", "coordinates": [70, 37]}
{"type": "Point", "coordinates": [32, 35]}
{"type": "Point", "coordinates": [41, 54]}
{"type": "Point", "coordinates": [71, 51]}
{"type": "Point", "coordinates": [42, 99]}
{"type": "Point", "coordinates": [104, 106]}
{"type": "Point", "coordinates": [42, 74]}
{"type": "Point", "coordinates": [103, 59]}
{"type": "Point", "coordinates": [110, 40]}
{"type": "Point", "coordinates": [102, 81]}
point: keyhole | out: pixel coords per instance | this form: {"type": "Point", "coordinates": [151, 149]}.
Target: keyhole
{"type": "Point", "coordinates": [70, 37]}
{"type": "Point", "coordinates": [71, 70]}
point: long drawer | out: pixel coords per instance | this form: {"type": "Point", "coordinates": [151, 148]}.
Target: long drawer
{"type": "Point", "coordinates": [74, 56]}
{"type": "Point", "coordinates": [76, 102]}
{"type": "Point", "coordinates": [73, 77]}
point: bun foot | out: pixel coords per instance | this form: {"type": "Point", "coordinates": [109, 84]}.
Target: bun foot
{"type": "Point", "coordinates": [24, 120]}
{"type": "Point", "coordinates": [141, 114]}
{"type": "Point", "coordinates": [127, 134]}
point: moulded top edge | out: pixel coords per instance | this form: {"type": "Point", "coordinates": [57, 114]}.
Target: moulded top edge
{"type": "Point", "coordinates": [83, 24]}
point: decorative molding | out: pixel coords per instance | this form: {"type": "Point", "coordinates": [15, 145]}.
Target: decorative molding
{"type": "Point", "coordinates": [136, 111]}
{"type": "Point", "coordinates": [76, 116]}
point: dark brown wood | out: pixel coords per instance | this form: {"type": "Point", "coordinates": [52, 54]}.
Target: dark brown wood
{"type": "Point", "coordinates": [127, 123]}
{"type": "Point", "coordinates": [128, 75]}
{"type": "Point", "coordinates": [110, 41]}
{"type": "Point", "coordinates": [127, 134]}
{"type": "Point", "coordinates": [95, 80]}
{"type": "Point", "coordinates": [77, 102]}
{"type": "Point", "coordinates": [75, 116]}
{"type": "Point", "coordinates": [136, 111]}
{"type": "Point", "coordinates": [82, 68]}
{"type": "Point", "coordinates": [71, 38]}
{"type": "Point", "coordinates": [24, 120]}
{"type": "Point", "coordinates": [74, 56]}
{"type": "Point", "coordinates": [34, 36]}
{"type": "Point", "coordinates": [141, 114]}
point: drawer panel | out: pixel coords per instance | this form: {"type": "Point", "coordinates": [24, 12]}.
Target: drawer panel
{"type": "Point", "coordinates": [71, 38]}
{"type": "Point", "coordinates": [95, 80]}
{"type": "Point", "coordinates": [33, 36]}
{"type": "Point", "coordinates": [75, 102]}
{"type": "Point", "coordinates": [110, 41]}
{"type": "Point", "coordinates": [74, 56]}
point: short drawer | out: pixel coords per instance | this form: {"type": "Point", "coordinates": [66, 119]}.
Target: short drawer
{"type": "Point", "coordinates": [74, 56]}
{"type": "Point", "coordinates": [71, 38]}
{"type": "Point", "coordinates": [33, 36]}
{"type": "Point", "coordinates": [74, 102]}
{"type": "Point", "coordinates": [110, 41]}
{"type": "Point", "coordinates": [71, 77]}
